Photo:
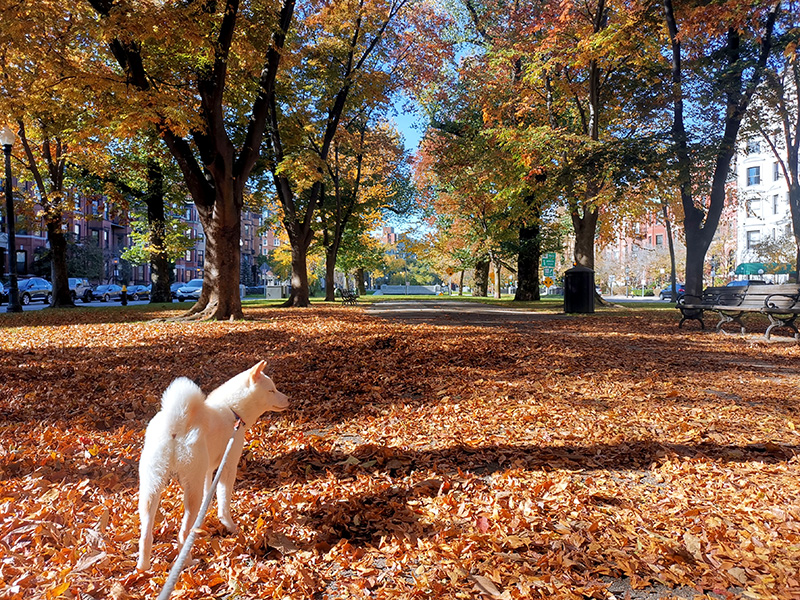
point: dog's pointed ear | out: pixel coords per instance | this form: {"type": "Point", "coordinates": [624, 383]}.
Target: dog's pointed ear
{"type": "Point", "coordinates": [257, 371]}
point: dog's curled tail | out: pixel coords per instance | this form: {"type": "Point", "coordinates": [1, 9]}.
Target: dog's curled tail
{"type": "Point", "coordinates": [181, 400]}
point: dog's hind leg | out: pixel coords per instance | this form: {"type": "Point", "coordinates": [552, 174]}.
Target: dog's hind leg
{"type": "Point", "coordinates": [151, 484]}
{"type": "Point", "coordinates": [192, 500]}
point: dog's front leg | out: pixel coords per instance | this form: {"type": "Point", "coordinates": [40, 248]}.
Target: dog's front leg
{"type": "Point", "coordinates": [226, 482]}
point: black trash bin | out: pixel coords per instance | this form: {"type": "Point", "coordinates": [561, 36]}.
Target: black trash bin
{"type": "Point", "coordinates": [579, 290]}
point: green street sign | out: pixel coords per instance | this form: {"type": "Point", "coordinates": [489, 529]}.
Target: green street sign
{"type": "Point", "coordinates": [548, 272]}
{"type": "Point", "coordinates": [549, 261]}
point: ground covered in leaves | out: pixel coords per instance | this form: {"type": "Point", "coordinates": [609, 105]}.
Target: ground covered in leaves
{"type": "Point", "coordinates": [586, 457]}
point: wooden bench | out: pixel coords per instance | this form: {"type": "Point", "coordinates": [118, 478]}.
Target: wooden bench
{"type": "Point", "coordinates": [780, 304]}
{"type": "Point", "coordinates": [349, 297]}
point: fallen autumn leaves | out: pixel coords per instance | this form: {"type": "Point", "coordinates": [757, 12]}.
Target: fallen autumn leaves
{"type": "Point", "coordinates": [539, 461]}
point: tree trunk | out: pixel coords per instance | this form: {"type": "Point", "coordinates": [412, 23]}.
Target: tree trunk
{"type": "Point", "coordinates": [671, 245]}
{"type": "Point", "coordinates": [360, 287]}
{"type": "Point", "coordinates": [330, 266]}
{"type": "Point", "coordinates": [585, 230]}
{"type": "Point", "coordinates": [62, 296]}
{"type": "Point", "coordinates": [299, 240]}
{"type": "Point", "coordinates": [330, 274]}
{"type": "Point", "coordinates": [221, 273]}
{"type": "Point", "coordinates": [461, 283]}
{"type": "Point", "coordinates": [528, 264]}
{"type": "Point", "coordinates": [156, 220]}
{"type": "Point", "coordinates": [498, 268]}
{"type": "Point", "coordinates": [794, 204]}
{"type": "Point", "coordinates": [481, 278]}
{"type": "Point", "coordinates": [299, 296]}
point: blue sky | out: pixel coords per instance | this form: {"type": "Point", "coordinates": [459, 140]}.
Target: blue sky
{"type": "Point", "coordinates": [409, 124]}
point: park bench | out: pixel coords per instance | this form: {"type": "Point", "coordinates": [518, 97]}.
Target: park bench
{"type": "Point", "coordinates": [349, 297]}
{"type": "Point", "coordinates": [779, 303]}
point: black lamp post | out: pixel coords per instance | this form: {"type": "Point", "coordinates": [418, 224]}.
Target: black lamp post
{"type": "Point", "coordinates": [7, 140]}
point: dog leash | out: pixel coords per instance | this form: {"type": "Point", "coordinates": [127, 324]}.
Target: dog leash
{"type": "Point", "coordinates": [186, 551]}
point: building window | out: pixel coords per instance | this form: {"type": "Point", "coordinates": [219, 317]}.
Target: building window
{"type": "Point", "coordinates": [775, 200]}
{"type": "Point", "coordinates": [753, 175]}
{"type": "Point", "coordinates": [22, 262]}
{"type": "Point", "coordinates": [105, 239]}
{"type": "Point", "coordinates": [776, 171]}
{"type": "Point", "coordinates": [753, 208]}
{"type": "Point", "coordinates": [753, 238]}
{"type": "Point", "coordinates": [277, 243]}
{"type": "Point", "coordinates": [659, 239]}
{"type": "Point", "coordinates": [753, 147]}
{"type": "Point", "coordinates": [77, 232]}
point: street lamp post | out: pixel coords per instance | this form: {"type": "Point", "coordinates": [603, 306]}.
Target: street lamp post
{"type": "Point", "coordinates": [7, 140]}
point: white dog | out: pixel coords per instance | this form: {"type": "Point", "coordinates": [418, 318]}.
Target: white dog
{"type": "Point", "coordinates": [187, 439]}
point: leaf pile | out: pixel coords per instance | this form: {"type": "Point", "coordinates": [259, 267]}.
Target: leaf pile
{"type": "Point", "coordinates": [558, 459]}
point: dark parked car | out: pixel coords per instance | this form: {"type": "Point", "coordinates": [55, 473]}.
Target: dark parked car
{"type": "Point", "coordinates": [666, 293]}
{"type": "Point", "coordinates": [174, 287]}
{"type": "Point", "coordinates": [106, 292]}
{"type": "Point", "coordinates": [35, 288]}
{"type": "Point", "coordinates": [3, 293]}
{"type": "Point", "coordinates": [138, 292]}
{"type": "Point", "coordinates": [190, 291]}
{"type": "Point", "coordinates": [743, 282]}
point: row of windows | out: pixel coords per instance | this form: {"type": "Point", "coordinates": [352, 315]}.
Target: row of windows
{"type": "Point", "coordinates": [754, 174]}
{"type": "Point", "coordinates": [754, 236]}
{"type": "Point", "coordinates": [755, 207]}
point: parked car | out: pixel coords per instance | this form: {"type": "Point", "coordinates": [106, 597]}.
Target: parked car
{"type": "Point", "coordinates": [743, 282]}
{"type": "Point", "coordinates": [190, 291]}
{"type": "Point", "coordinates": [3, 293]}
{"type": "Point", "coordinates": [35, 288]}
{"type": "Point", "coordinates": [666, 293]}
{"type": "Point", "coordinates": [80, 288]}
{"type": "Point", "coordinates": [138, 292]}
{"type": "Point", "coordinates": [174, 287]}
{"type": "Point", "coordinates": [106, 292]}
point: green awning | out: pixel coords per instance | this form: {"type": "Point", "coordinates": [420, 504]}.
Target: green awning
{"type": "Point", "coordinates": [758, 268]}
{"type": "Point", "coordinates": [753, 268]}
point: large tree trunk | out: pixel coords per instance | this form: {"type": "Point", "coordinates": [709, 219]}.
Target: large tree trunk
{"type": "Point", "coordinates": [528, 264]}
{"type": "Point", "coordinates": [585, 230]}
{"type": "Point", "coordinates": [794, 204]}
{"type": "Point", "coordinates": [330, 273]}
{"type": "Point", "coordinates": [58, 253]}
{"type": "Point", "coordinates": [481, 278]}
{"type": "Point", "coordinates": [156, 220]}
{"type": "Point", "coordinates": [330, 265]}
{"type": "Point", "coordinates": [360, 286]}
{"type": "Point", "coordinates": [221, 274]}
{"type": "Point", "coordinates": [299, 295]}
{"type": "Point", "coordinates": [299, 240]}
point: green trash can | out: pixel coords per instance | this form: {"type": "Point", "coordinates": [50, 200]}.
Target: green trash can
{"type": "Point", "coordinates": [579, 290]}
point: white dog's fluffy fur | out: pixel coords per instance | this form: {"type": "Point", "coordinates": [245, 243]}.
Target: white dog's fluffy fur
{"type": "Point", "coordinates": [187, 439]}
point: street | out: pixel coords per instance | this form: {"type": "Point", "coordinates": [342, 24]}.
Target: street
{"type": "Point", "coordinates": [79, 303]}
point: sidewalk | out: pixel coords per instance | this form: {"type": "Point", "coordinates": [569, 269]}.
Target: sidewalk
{"type": "Point", "coordinates": [453, 312]}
